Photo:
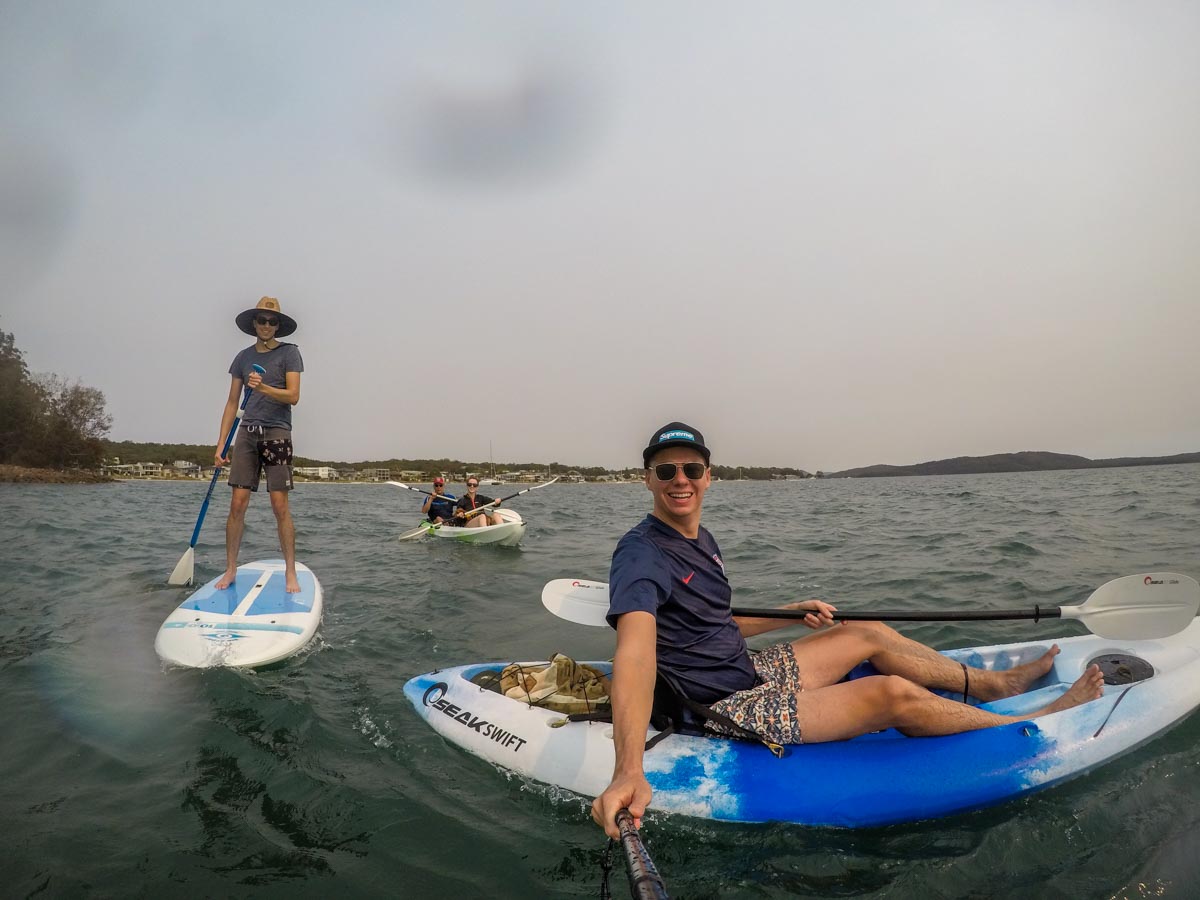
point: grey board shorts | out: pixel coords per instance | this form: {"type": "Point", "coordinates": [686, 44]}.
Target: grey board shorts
{"type": "Point", "coordinates": [269, 450]}
{"type": "Point", "coordinates": [767, 709]}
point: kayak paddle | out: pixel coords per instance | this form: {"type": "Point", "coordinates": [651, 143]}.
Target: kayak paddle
{"type": "Point", "coordinates": [480, 509]}
{"type": "Point", "coordinates": [419, 491]}
{"type": "Point", "coordinates": [644, 881]}
{"type": "Point", "coordinates": [185, 569]}
{"type": "Point", "coordinates": [420, 531]}
{"type": "Point", "coordinates": [1133, 607]}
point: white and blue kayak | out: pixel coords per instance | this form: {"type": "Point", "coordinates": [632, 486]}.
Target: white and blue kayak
{"type": "Point", "coordinates": [877, 779]}
{"type": "Point", "coordinates": [506, 534]}
{"type": "Point", "coordinates": [253, 622]}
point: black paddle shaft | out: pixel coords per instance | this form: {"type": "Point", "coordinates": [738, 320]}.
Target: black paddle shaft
{"type": "Point", "coordinates": [644, 881]}
{"type": "Point", "coordinates": [1036, 613]}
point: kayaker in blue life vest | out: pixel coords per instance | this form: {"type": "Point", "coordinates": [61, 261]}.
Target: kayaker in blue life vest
{"type": "Point", "coordinates": [473, 500]}
{"type": "Point", "coordinates": [439, 507]}
{"type": "Point", "coordinates": [670, 605]}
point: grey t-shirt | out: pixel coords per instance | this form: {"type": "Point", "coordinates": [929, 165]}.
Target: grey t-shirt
{"type": "Point", "coordinates": [261, 409]}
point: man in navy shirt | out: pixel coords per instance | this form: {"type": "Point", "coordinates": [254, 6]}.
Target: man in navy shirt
{"type": "Point", "coordinates": [670, 605]}
{"type": "Point", "coordinates": [439, 506]}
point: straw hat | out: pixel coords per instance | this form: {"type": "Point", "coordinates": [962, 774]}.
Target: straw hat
{"type": "Point", "coordinates": [245, 320]}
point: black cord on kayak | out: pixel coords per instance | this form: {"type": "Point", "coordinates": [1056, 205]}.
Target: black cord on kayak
{"type": "Point", "coordinates": [605, 868]}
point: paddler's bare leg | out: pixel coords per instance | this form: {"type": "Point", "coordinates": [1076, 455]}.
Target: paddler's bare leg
{"type": "Point", "coordinates": [287, 538]}
{"type": "Point", "coordinates": [234, 526]}
{"type": "Point", "coordinates": [846, 710]}
{"type": "Point", "coordinates": [825, 657]}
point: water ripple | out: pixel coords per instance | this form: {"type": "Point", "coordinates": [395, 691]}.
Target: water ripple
{"type": "Point", "coordinates": [316, 776]}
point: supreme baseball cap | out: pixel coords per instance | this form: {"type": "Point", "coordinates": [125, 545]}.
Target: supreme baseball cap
{"type": "Point", "coordinates": [675, 434]}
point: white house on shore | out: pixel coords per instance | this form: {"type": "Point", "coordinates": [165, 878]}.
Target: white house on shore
{"type": "Point", "coordinates": [323, 472]}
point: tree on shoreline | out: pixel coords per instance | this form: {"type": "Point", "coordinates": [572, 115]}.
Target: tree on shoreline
{"type": "Point", "coordinates": [47, 421]}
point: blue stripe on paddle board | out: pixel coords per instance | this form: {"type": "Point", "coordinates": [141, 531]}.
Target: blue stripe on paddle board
{"type": "Point", "coordinates": [223, 603]}
{"type": "Point", "coordinates": [236, 626]}
{"type": "Point", "coordinates": [275, 600]}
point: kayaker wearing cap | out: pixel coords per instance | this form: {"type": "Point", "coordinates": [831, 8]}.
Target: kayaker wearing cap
{"type": "Point", "coordinates": [264, 439]}
{"type": "Point", "coordinates": [473, 500]}
{"type": "Point", "coordinates": [439, 507]}
{"type": "Point", "coordinates": [670, 605]}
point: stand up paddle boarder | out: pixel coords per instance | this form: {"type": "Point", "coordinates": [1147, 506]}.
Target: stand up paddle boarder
{"type": "Point", "coordinates": [670, 605]}
{"type": "Point", "coordinates": [264, 439]}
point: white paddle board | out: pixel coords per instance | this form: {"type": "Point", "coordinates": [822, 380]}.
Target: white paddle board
{"type": "Point", "coordinates": [253, 622]}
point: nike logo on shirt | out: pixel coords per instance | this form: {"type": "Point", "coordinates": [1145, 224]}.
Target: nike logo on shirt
{"type": "Point", "coordinates": [689, 578]}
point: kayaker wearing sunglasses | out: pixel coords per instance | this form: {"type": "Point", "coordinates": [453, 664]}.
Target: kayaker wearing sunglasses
{"type": "Point", "coordinates": [670, 605]}
{"type": "Point", "coordinates": [439, 506]}
{"type": "Point", "coordinates": [264, 438]}
{"type": "Point", "coordinates": [473, 500]}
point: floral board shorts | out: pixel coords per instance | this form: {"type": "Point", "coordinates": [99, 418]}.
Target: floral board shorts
{"type": "Point", "coordinates": [767, 709]}
{"type": "Point", "coordinates": [266, 450]}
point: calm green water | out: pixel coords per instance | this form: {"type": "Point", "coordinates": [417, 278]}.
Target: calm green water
{"type": "Point", "coordinates": [120, 779]}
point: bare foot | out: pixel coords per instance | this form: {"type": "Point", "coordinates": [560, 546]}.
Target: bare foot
{"type": "Point", "coordinates": [293, 584]}
{"type": "Point", "coordinates": [1017, 680]}
{"type": "Point", "coordinates": [1090, 686]}
{"type": "Point", "coordinates": [227, 579]}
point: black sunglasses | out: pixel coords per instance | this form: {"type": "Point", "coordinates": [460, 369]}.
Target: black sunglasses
{"type": "Point", "coordinates": [472, 484]}
{"type": "Point", "coordinates": [666, 471]}
{"type": "Point", "coordinates": [263, 320]}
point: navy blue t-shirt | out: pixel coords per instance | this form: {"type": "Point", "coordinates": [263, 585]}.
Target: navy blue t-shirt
{"type": "Point", "coordinates": [261, 409]}
{"type": "Point", "coordinates": [682, 583]}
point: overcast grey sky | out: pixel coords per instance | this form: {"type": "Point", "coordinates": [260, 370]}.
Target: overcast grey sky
{"type": "Point", "coordinates": [827, 234]}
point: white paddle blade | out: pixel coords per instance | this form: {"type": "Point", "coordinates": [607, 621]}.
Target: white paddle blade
{"type": "Point", "coordinates": [399, 485]}
{"type": "Point", "coordinates": [419, 531]}
{"type": "Point", "coordinates": [581, 602]}
{"type": "Point", "coordinates": [1139, 607]}
{"type": "Point", "coordinates": [185, 569]}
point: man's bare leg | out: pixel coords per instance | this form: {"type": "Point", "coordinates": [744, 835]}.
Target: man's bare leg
{"type": "Point", "coordinates": [824, 658]}
{"type": "Point", "coordinates": [287, 538]}
{"type": "Point", "coordinates": [847, 710]}
{"type": "Point", "coordinates": [235, 525]}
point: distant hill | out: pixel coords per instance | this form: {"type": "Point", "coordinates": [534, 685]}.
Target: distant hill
{"type": "Point", "coordinates": [1025, 461]}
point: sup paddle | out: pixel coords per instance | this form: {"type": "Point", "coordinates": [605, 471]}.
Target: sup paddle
{"type": "Point", "coordinates": [185, 569]}
{"type": "Point", "coordinates": [1134, 607]}
{"type": "Point", "coordinates": [644, 881]}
